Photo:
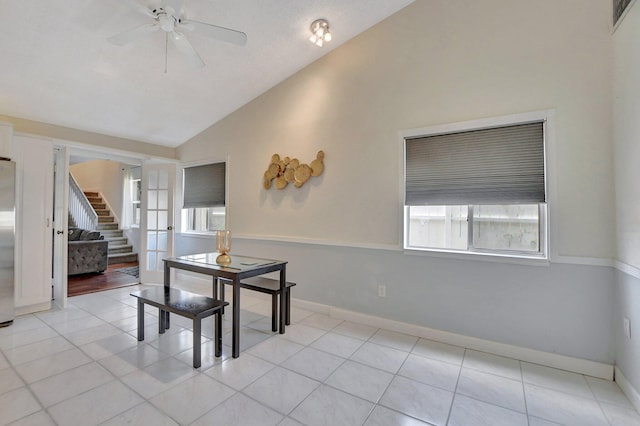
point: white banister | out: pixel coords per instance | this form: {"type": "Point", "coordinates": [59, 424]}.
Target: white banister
{"type": "Point", "coordinates": [80, 208]}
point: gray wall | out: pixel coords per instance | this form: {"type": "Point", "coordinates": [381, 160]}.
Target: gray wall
{"type": "Point", "coordinates": [435, 62]}
{"type": "Point", "coordinates": [563, 309]}
{"type": "Point", "coordinates": [627, 305]}
{"type": "Point", "coordinates": [626, 110]}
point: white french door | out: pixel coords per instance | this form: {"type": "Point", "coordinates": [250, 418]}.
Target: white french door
{"type": "Point", "coordinates": [158, 182]}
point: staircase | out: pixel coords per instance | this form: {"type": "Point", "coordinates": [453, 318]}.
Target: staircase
{"type": "Point", "coordinates": [120, 251]}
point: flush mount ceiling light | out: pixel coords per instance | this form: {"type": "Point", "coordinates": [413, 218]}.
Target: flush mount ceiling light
{"type": "Point", "coordinates": [320, 32]}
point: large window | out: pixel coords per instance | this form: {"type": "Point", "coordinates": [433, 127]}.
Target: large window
{"type": "Point", "coordinates": [477, 191]}
{"type": "Point", "coordinates": [204, 198]}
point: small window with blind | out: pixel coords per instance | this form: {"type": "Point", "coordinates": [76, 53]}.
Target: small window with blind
{"type": "Point", "coordinates": [478, 190]}
{"type": "Point", "coordinates": [204, 197]}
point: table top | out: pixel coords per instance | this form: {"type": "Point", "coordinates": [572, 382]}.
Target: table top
{"type": "Point", "coordinates": [238, 262]}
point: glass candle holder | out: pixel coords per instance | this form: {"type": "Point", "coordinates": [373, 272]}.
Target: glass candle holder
{"type": "Point", "coordinates": [223, 246]}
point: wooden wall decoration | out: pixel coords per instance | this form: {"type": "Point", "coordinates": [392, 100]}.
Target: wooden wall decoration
{"type": "Point", "coordinates": [282, 172]}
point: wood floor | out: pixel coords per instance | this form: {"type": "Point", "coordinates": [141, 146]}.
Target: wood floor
{"type": "Point", "coordinates": [109, 279]}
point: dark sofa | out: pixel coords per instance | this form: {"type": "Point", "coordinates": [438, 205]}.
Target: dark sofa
{"type": "Point", "coordinates": [87, 252]}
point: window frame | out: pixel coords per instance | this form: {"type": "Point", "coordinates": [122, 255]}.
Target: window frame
{"type": "Point", "coordinates": [545, 209]}
{"type": "Point", "coordinates": [137, 184]}
{"type": "Point", "coordinates": [182, 213]}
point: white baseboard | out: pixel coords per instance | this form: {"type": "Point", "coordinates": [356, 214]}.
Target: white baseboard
{"type": "Point", "coordinates": [576, 365]}
{"type": "Point", "coordinates": [628, 389]}
{"type": "Point", "coordinates": [562, 362]}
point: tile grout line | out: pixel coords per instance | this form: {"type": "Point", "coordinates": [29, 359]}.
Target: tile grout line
{"type": "Point", "coordinates": [396, 374]}
{"type": "Point", "coordinates": [524, 392]}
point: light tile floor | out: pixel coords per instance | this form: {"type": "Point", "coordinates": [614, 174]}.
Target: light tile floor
{"type": "Point", "coordinates": [84, 366]}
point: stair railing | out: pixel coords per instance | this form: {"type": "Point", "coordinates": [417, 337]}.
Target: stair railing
{"type": "Point", "coordinates": [80, 208]}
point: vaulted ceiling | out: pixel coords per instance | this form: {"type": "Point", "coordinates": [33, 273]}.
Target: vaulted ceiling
{"type": "Point", "coordinates": [58, 67]}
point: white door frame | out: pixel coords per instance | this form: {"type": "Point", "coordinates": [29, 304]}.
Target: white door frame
{"type": "Point", "coordinates": [60, 225]}
{"type": "Point", "coordinates": [98, 152]}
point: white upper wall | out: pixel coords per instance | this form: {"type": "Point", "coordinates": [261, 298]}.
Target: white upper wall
{"type": "Point", "coordinates": [437, 61]}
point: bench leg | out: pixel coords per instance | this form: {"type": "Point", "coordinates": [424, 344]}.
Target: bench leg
{"type": "Point", "coordinates": [140, 320]}
{"type": "Point", "coordinates": [197, 335]}
{"type": "Point", "coordinates": [288, 308]}
{"type": "Point", "coordinates": [218, 333]}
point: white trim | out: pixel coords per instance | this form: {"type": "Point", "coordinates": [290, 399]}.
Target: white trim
{"type": "Point", "coordinates": [30, 309]}
{"type": "Point", "coordinates": [483, 123]}
{"type": "Point", "coordinates": [571, 260]}
{"type": "Point", "coordinates": [588, 261]}
{"type": "Point", "coordinates": [547, 117]}
{"type": "Point", "coordinates": [481, 257]}
{"type": "Point", "coordinates": [628, 389]}
{"type": "Point", "coordinates": [316, 241]}
{"type": "Point", "coordinates": [627, 269]}
{"type": "Point", "coordinates": [101, 151]}
{"type": "Point", "coordinates": [576, 365]}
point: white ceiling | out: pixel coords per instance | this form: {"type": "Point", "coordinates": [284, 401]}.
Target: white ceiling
{"type": "Point", "coordinates": [57, 66]}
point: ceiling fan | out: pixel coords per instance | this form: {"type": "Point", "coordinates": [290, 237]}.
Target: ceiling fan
{"type": "Point", "coordinates": [169, 16]}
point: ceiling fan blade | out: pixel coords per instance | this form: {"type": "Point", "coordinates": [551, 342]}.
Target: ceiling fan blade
{"type": "Point", "coordinates": [133, 34]}
{"type": "Point", "coordinates": [219, 33]}
{"type": "Point", "coordinates": [142, 8]}
{"type": "Point", "coordinates": [186, 49]}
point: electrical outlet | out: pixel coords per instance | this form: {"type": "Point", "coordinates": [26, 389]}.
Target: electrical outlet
{"type": "Point", "coordinates": [626, 324]}
{"type": "Point", "coordinates": [382, 291]}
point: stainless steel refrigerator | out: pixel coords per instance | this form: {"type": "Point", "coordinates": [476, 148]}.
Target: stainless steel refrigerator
{"type": "Point", "coordinates": [7, 240]}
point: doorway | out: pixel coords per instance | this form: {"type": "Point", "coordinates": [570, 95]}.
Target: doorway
{"type": "Point", "coordinates": [118, 273]}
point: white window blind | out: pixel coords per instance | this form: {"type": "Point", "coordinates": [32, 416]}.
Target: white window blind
{"type": "Point", "coordinates": [204, 186]}
{"type": "Point", "coordinates": [502, 165]}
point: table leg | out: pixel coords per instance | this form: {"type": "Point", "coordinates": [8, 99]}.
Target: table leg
{"type": "Point", "coordinates": [167, 285]}
{"type": "Point", "coordinates": [140, 320]}
{"type": "Point", "coordinates": [197, 336]}
{"type": "Point", "coordinates": [236, 319]}
{"type": "Point", "coordinates": [283, 303]}
{"type": "Point", "coordinates": [162, 324]}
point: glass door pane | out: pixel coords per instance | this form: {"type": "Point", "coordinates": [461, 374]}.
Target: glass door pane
{"type": "Point", "coordinates": [158, 226]}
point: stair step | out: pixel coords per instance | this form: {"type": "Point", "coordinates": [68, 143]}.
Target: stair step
{"type": "Point", "coordinates": [91, 194]}
{"type": "Point", "coordinates": [105, 219]}
{"type": "Point", "coordinates": [122, 258]}
{"type": "Point", "coordinates": [99, 206]}
{"type": "Point", "coordinates": [125, 248]}
{"type": "Point", "coordinates": [101, 212]}
{"type": "Point", "coordinates": [110, 234]}
{"type": "Point", "coordinates": [115, 241]}
{"type": "Point", "coordinates": [107, 227]}
{"type": "Point", "coordinates": [94, 199]}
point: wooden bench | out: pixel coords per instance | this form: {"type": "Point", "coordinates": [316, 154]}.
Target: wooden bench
{"type": "Point", "coordinates": [269, 286]}
{"type": "Point", "coordinates": [186, 304]}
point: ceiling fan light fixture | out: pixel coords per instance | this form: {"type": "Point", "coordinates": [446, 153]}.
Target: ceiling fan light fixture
{"type": "Point", "coordinates": [320, 33]}
{"type": "Point", "coordinates": [166, 22]}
